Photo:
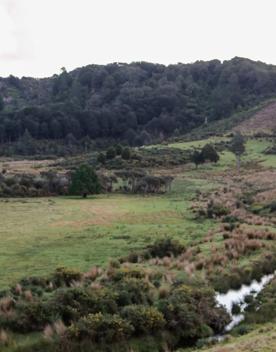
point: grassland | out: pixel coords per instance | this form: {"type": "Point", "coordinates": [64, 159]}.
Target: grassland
{"type": "Point", "coordinates": [37, 235]}
{"type": "Point", "coordinates": [262, 339]}
{"type": "Point", "coordinates": [40, 234]}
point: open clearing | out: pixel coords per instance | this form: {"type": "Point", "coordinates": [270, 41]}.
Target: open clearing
{"type": "Point", "coordinates": [39, 234]}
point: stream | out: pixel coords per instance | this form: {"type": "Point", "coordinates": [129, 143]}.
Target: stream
{"type": "Point", "coordinates": [228, 299]}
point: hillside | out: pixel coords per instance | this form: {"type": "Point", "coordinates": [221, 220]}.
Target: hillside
{"type": "Point", "coordinates": [134, 103]}
{"type": "Point", "coordinates": [263, 121]}
{"type": "Point", "coordinates": [139, 266]}
{"type": "Point", "coordinates": [262, 339]}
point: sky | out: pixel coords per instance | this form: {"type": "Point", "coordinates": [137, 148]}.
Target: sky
{"type": "Point", "coordinates": [38, 37]}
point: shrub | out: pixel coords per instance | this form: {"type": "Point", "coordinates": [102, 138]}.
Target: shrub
{"type": "Point", "coordinates": [236, 309]}
{"type": "Point", "coordinates": [126, 154]}
{"type": "Point", "coordinates": [191, 311]}
{"type": "Point", "coordinates": [31, 316]}
{"type": "Point", "coordinates": [71, 304]}
{"type": "Point", "coordinates": [210, 153]}
{"type": "Point", "coordinates": [110, 153]}
{"type": "Point", "coordinates": [100, 328]}
{"type": "Point", "coordinates": [166, 247]}
{"type": "Point", "coordinates": [101, 158]}
{"type": "Point", "coordinates": [144, 319]}
{"type": "Point", "coordinates": [133, 291]}
{"type": "Point", "coordinates": [216, 210]}
{"type": "Point", "coordinates": [65, 276]}
{"type": "Point", "coordinates": [125, 272]}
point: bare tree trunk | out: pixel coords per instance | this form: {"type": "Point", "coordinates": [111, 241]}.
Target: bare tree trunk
{"type": "Point", "coordinates": [238, 163]}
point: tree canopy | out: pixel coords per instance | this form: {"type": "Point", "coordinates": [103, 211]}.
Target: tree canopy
{"type": "Point", "coordinates": [84, 181]}
{"type": "Point", "coordinates": [133, 103]}
{"type": "Point", "coordinates": [237, 146]}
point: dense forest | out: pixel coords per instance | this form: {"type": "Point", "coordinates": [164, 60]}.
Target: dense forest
{"type": "Point", "coordinates": [135, 103]}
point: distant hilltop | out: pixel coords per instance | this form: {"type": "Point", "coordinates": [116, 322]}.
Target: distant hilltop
{"type": "Point", "coordinates": [135, 103]}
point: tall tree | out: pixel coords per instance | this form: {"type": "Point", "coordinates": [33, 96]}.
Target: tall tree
{"type": "Point", "coordinates": [1, 103]}
{"type": "Point", "coordinates": [84, 181]}
{"type": "Point", "coordinates": [197, 158]}
{"type": "Point", "coordinates": [210, 153]}
{"type": "Point", "coordinates": [237, 147]}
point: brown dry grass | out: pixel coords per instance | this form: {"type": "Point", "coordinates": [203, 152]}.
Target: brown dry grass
{"type": "Point", "coordinates": [33, 167]}
{"type": "Point", "coordinates": [263, 121]}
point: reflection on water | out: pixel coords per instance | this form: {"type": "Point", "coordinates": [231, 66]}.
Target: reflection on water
{"type": "Point", "coordinates": [228, 299]}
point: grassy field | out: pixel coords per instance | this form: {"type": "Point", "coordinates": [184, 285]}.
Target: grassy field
{"type": "Point", "coordinates": [37, 235]}
{"type": "Point", "coordinates": [40, 234]}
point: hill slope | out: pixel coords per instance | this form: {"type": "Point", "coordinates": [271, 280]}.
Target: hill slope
{"type": "Point", "coordinates": [262, 121]}
{"type": "Point", "coordinates": [133, 103]}
{"type": "Point", "coordinates": [260, 340]}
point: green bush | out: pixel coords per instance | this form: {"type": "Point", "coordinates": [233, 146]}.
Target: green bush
{"type": "Point", "coordinates": [216, 210]}
{"type": "Point", "coordinates": [144, 319]}
{"type": "Point", "coordinates": [30, 316]}
{"type": "Point", "coordinates": [166, 247]}
{"type": "Point", "coordinates": [70, 304]}
{"type": "Point", "coordinates": [65, 276]}
{"type": "Point", "coordinates": [99, 328]}
{"type": "Point", "coordinates": [191, 312]}
{"type": "Point", "coordinates": [133, 291]}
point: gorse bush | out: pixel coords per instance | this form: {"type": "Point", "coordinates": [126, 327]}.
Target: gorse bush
{"type": "Point", "coordinates": [216, 210]}
{"type": "Point", "coordinates": [114, 305]}
{"type": "Point", "coordinates": [165, 247]}
{"type": "Point", "coordinates": [65, 276]}
{"type": "Point", "coordinates": [100, 328]}
{"type": "Point", "coordinates": [144, 319]}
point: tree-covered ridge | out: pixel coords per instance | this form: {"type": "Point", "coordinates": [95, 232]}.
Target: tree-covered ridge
{"type": "Point", "coordinates": [135, 102]}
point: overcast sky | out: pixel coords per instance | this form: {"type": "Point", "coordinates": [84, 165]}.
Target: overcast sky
{"type": "Point", "coordinates": [38, 37]}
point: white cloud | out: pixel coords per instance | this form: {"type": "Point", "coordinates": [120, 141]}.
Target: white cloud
{"type": "Point", "coordinates": [8, 46]}
{"type": "Point", "coordinates": [40, 36]}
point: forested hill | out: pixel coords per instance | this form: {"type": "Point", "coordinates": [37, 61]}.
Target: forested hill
{"type": "Point", "coordinates": [136, 102]}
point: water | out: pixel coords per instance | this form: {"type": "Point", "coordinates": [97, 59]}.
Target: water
{"type": "Point", "coordinates": [228, 299]}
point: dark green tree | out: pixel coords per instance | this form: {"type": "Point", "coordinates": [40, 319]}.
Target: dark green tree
{"type": "Point", "coordinates": [84, 181]}
{"type": "Point", "coordinates": [110, 153]}
{"type": "Point", "coordinates": [126, 154]}
{"type": "Point", "coordinates": [1, 103]}
{"type": "Point", "coordinates": [237, 147]}
{"type": "Point", "coordinates": [119, 149]}
{"type": "Point", "coordinates": [197, 158]}
{"type": "Point", "coordinates": [210, 153]}
{"type": "Point", "coordinates": [70, 139]}
{"type": "Point", "coordinates": [86, 143]}
{"type": "Point", "coordinates": [26, 144]}
{"type": "Point", "coordinates": [101, 158]}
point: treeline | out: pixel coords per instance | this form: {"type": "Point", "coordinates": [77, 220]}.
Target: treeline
{"type": "Point", "coordinates": [134, 103]}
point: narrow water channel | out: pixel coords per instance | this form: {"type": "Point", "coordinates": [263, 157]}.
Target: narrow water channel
{"type": "Point", "coordinates": [228, 299]}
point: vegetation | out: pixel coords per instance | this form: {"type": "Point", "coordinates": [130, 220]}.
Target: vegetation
{"type": "Point", "coordinates": [137, 267]}
{"type": "Point", "coordinates": [208, 153]}
{"type": "Point", "coordinates": [237, 146]}
{"type": "Point", "coordinates": [101, 307]}
{"type": "Point", "coordinates": [84, 181]}
{"type": "Point", "coordinates": [132, 103]}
